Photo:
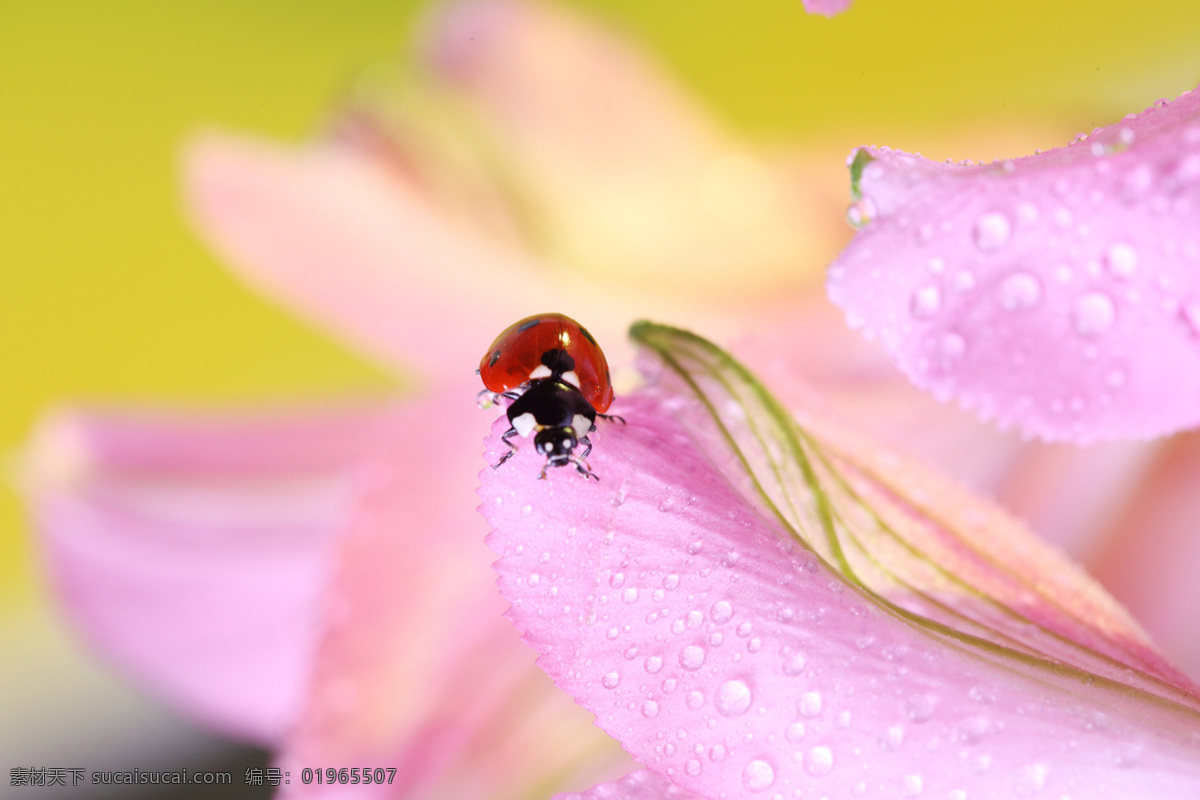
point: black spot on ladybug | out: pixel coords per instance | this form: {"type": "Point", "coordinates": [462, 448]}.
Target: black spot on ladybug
{"type": "Point", "coordinates": [495, 357]}
{"type": "Point", "coordinates": [587, 335]}
{"type": "Point", "coordinates": [558, 361]}
{"type": "Point", "coordinates": [529, 324]}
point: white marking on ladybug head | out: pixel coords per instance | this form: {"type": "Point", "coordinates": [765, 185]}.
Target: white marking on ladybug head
{"type": "Point", "coordinates": [525, 423]}
{"type": "Point", "coordinates": [541, 371]}
{"type": "Point", "coordinates": [571, 378]}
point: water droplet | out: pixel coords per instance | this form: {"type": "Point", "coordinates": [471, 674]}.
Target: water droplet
{"type": "Point", "coordinates": [819, 761]}
{"type": "Point", "coordinates": [693, 767]}
{"type": "Point", "coordinates": [1094, 314]}
{"type": "Point", "coordinates": [952, 345]}
{"type": "Point", "coordinates": [892, 738]}
{"type": "Point", "coordinates": [937, 265]}
{"type": "Point", "coordinates": [843, 719]}
{"type": "Point", "coordinates": [964, 281]}
{"type": "Point", "coordinates": [793, 664]}
{"type": "Point", "coordinates": [617, 580]}
{"type": "Point", "coordinates": [919, 707]}
{"type": "Point", "coordinates": [992, 231]}
{"type": "Point", "coordinates": [670, 582]}
{"type": "Point", "coordinates": [1030, 780]}
{"type": "Point", "coordinates": [925, 302]}
{"type": "Point", "coordinates": [695, 699]}
{"type": "Point", "coordinates": [733, 698]}
{"type": "Point", "coordinates": [668, 685]}
{"type": "Point", "coordinates": [1122, 260]}
{"type": "Point", "coordinates": [794, 732]}
{"type": "Point", "coordinates": [717, 753]}
{"type": "Point", "coordinates": [650, 709]}
{"type": "Point", "coordinates": [610, 680]}
{"type": "Point", "coordinates": [758, 776]}
{"type": "Point", "coordinates": [692, 657]}
{"type": "Point", "coordinates": [744, 629]}
{"type": "Point", "coordinates": [721, 612]}
{"type": "Point", "coordinates": [630, 595]}
{"type": "Point", "coordinates": [695, 547]}
{"type": "Point", "coordinates": [754, 645]}
{"type": "Point", "coordinates": [913, 785]}
{"type": "Point", "coordinates": [694, 619]}
{"type": "Point", "coordinates": [1020, 291]}
{"type": "Point", "coordinates": [526, 511]}
{"type": "Point", "coordinates": [613, 632]}
{"type": "Point", "coordinates": [809, 704]}
{"type": "Point", "coordinates": [654, 664]}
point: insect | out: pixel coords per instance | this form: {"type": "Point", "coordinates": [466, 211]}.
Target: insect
{"type": "Point", "coordinates": [557, 378]}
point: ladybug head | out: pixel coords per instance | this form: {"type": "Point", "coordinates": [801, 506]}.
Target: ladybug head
{"type": "Point", "coordinates": [556, 444]}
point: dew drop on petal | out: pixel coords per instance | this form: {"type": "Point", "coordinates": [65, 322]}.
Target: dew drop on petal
{"type": "Point", "coordinates": [695, 699]}
{"type": "Point", "coordinates": [1122, 260]}
{"type": "Point", "coordinates": [610, 680]}
{"type": "Point", "coordinates": [650, 709]}
{"type": "Point", "coordinates": [913, 785]}
{"type": "Point", "coordinates": [721, 611]}
{"type": "Point", "coordinates": [1020, 291]}
{"type": "Point", "coordinates": [733, 698]}
{"type": "Point", "coordinates": [692, 657]}
{"type": "Point", "coordinates": [925, 302]}
{"type": "Point", "coordinates": [809, 704]}
{"type": "Point", "coordinates": [693, 767]}
{"type": "Point", "coordinates": [793, 664]}
{"type": "Point", "coordinates": [630, 595]}
{"type": "Point", "coordinates": [717, 753]}
{"type": "Point", "coordinates": [952, 345]}
{"type": "Point", "coordinates": [794, 732]}
{"type": "Point", "coordinates": [1094, 314]}
{"type": "Point", "coordinates": [653, 664]}
{"type": "Point", "coordinates": [819, 761]}
{"type": "Point", "coordinates": [1030, 780]}
{"type": "Point", "coordinates": [758, 776]}
{"type": "Point", "coordinates": [992, 231]}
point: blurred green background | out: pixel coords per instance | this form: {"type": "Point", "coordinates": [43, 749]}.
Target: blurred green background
{"type": "Point", "coordinates": [107, 295]}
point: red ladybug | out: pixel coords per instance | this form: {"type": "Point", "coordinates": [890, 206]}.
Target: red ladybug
{"type": "Point", "coordinates": [558, 380]}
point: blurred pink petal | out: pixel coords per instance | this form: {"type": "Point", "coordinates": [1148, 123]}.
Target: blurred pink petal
{"type": "Point", "coordinates": [415, 667]}
{"type": "Point", "coordinates": [812, 612]}
{"type": "Point", "coordinates": [192, 552]}
{"type": "Point", "coordinates": [826, 7]}
{"type": "Point", "coordinates": [625, 177]}
{"type": "Point", "coordinates": [1056, 291]}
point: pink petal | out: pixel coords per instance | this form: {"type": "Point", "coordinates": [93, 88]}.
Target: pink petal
{"type": "Point", "coordinates": [1056, 291]}
{"type": "Point", "coordinates": [416, 669]}
{"type": "Point", "coordinates": [727, 654]}
{"type": "Point", "coordinates": [191, 551]}
{"type": "Point", "coordinates": [640, 785]}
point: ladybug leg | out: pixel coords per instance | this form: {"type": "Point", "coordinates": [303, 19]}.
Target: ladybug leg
{"type": "Point", "coordinates": [588, 442]}
{"type": "Point", "coordinates": [611, 418]}
{"type": "Point", "coordinates": [583, 469]}
{"type": "Point", "coordinates": [486, 398]}
{"type": "Point", "coordinates": [504, 437]}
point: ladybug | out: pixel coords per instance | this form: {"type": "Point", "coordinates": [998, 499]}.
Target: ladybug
{"type": "Point", "coordinates": [557, 378]}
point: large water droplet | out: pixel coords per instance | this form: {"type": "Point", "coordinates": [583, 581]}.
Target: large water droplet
{"type": "Point", "coordinates": [653, 664]}
{"type": "Point", "coordinates": [610, 680]}
{"type": "Point", "coordinates": [758, 776]}
{"type": "Point", "coordinates": [793, 664]}
{"type": "Point", "coordinates": [1122, 260]}
{"type": "Point", "coordinates": [692, 657]}
{"type": "Point", "coordinates": [819, 761]}
{"type": "Point", "coordinates": [925, 302]}
{"type": "Point", "coordinates": [650, 709]}
{"type": "Point", "coordinates": [992, 231]}
{"type": "Point", "coordinates": [1094, 314]}
{"type": "Point", "coordinates": [630, 595]}
{"type": "Point", "coordinates": [721, 612]}
{"type": "Point", "coordinates": [693, 767]}
{"type": "Point", "coordinates": [1020, 291]}
{"type": "Point", "coordinates": [733, 698]}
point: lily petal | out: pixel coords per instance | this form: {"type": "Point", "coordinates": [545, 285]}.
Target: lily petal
{"type": "Point", "coordinates": [1057, 291]}
{"type": "Point", "coordinates": [192, 552]}
{"type": "Point", "coordinates": [750, 604]}
{"type": "Point", "coordinates": [415, 667]}
{"type": "Point", "coordinates": [640, 785]}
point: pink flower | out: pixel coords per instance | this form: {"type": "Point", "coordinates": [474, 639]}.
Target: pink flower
{"type": "Point", "coordinates": [756, 605]}
{"type": "Point", "coordinates": [329, 563]}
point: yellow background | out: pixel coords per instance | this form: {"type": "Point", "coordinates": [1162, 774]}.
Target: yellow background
{"type": "Point", "coordinates": [107, 295]}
